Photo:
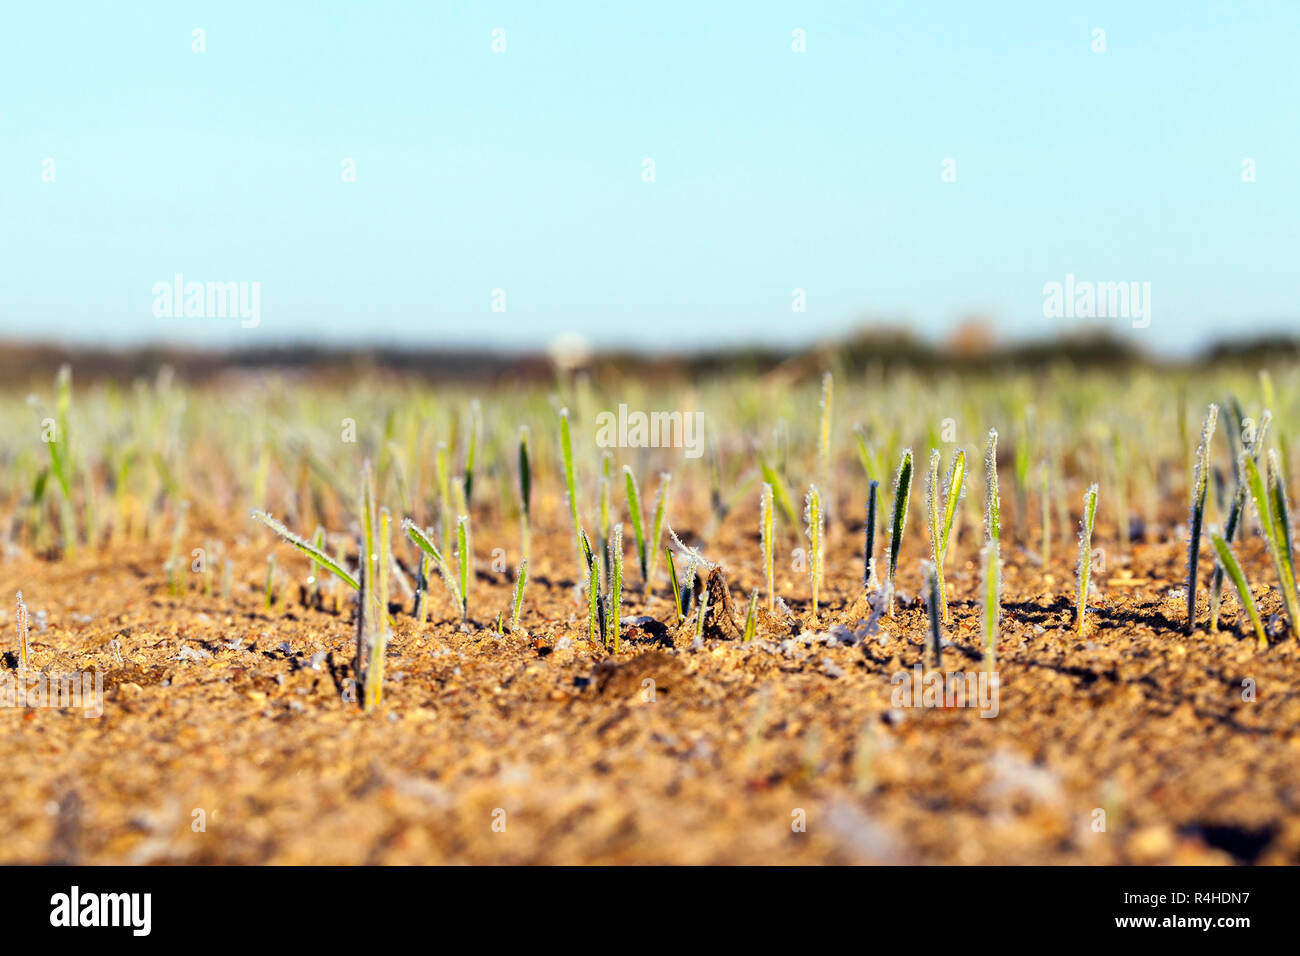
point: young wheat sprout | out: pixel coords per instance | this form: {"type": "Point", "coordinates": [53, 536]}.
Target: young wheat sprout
{"type": "Point", "coordinates": [869, 546]}
{"type": "Point", "coordinates": [525, 492]}
{"type": "Point", "coordinates": [672, 582]}
{"type": "Point", "coordinates": [595, 620]}
{"type": "Point", "coordinates": [570, 486]}
{"type": "Point", "coordinates": [657, 529]}
{"type": "Point", "coordinates": [816, 532]}
{"type": "Point", "coordinates": [432, 553]}
{"type": "Point", "coordinates": [936, 529]}
{"type": "Point", "coordinates": [992, 517]}
{"type": "Point", "coordinates": [941, 524]}
{"type": "Point", "coordinates": [1085, 550]}
{"type": "Point", "coordinates": [638, 525]}
{"type": "Point", "coordinates": [1251, 445]}
{"type": "Point", "coordinates": [23, 623]}
{"type": "Point", "coordinates": [374, 684]}
{"type": "Point", "coordinates": [1228, 562]}
{"type": "Point", "coordinates": [334, 565]}
{"type": "Point", "coordinates": [931, 575]}
{"type": "Point", "coordinates": [1276, 530]}
{"type": "Point", "coordinates": [992, 584]}
{"type": "Point", "coordinates": [1200, 484]}
{"type": "Point", "coordinates": [751, 616]}
{"type": "Point", "coordinates": [616, 583]}
{"type": "Point", "coordinates": [765, 538]}
{"type": "Point", "coordinates": [521, 580]}
{"type": "Point", "coordinates": [465, 560]}
{"type": "Point", "coordinates": [902, 491]}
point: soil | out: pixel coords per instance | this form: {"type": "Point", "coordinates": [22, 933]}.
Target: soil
{"type": "Point", "coordinates": [228, 736]}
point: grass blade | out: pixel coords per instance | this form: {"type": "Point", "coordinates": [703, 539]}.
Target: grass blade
{"type": "Point", "coordinates": [1228, 562]}
{"type": "Point", "coordinates": [521, 581]}
{"type": "Point", "coordinates": [307, 548]}
{"type": "Point", "coordinates": [1085, 550]}
{"type": "Point", "coordinates": [902, 491]}
{"type": "Point", "coordinates": [1200, 484]}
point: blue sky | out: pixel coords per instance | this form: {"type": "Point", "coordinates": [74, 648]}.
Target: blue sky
{"type": "Point", "coordinates": [522, 170]}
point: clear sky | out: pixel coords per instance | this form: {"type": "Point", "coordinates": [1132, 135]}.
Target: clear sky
{"type": "Point", "coordinates": [523, 170]}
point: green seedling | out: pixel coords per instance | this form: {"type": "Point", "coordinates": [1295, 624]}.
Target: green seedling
{"type": "Point", "coordinates": [1228, 562]}
{"type": "Point", "coordinates": [941, 525]}
{"type": "Point", "coordinates": [525, 493]}
{"type": "Point", "coordinates": [1085, 550]}
{"type": "Point", "coordinates": [1250, 445]}
{"type": "Point", "coordinates": [954, 491]}
{"type": "Point", "coordinates": [936, 529]}
{"type": "Point", "coordinates": [422, 568]}
{"type": "Point", "coordinates": [465, 560]}
{"type": "Point", "coordinates": [638, 525]}
{"type": "Point", "coordinates": [23, 623]}
{"type": "Point", "coordinates": [614, 612]}
{"type": "Point", "coordinates": [672, 581]}
{"type": "Point", "coordinates": [771, 477]}
{"type": "Point", "coordinates": [869, 546]}
{"type": "Point", "coordinates": [751, 616]}
{"type": "Point", "coordinates": [902, 491]}
{"type": "Point", "coordinates": [334, 565]}
{"type": "Point", "coordinates": [992, 516]}
{"type": "Point", "coordinates": [571, 488]}
{"type": "Point", "coordinates": [377, 645]}
{"type": "Point", "coordinates": [368, 567]}
{"type": "Point", "coordinates": [657, 530]}
{"type": "Point", "coordinates": [1270, 505]}
{"type": "Point", "coordinates": [423, 542]}
{"type": "Point", "coordinates": [1200, 484]}
{"type": "Point", "coordinates": [60, 457]}
{"type": "Point", "coordinates": [991, 555]}
{"type": "Point", "coordinates": [816, 535]}
{"type": "Point", "coordinates": [595, 617]}
{"type": "Point", "coordinates": [932, 601]}
{"type": "Point", "coordinates": [765, 539]}
{"type": "Point", "coordinates": [521, 581]}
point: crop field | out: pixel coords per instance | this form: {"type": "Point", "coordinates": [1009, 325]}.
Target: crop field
{"type": "Point", "coordinates": [827, 612]}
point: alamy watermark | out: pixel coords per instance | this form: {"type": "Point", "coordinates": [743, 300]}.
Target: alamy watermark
{"type": "Point", "coordinates": [179, 299]}
{"type": "Point", "coordinates": [937, 688]}
{"type": "Point", "coordinates": [651, 430]}
{"type": "Point", "coordinates": [1073, 299]}
{"type": "Point", "coordinates": [80, 690]}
